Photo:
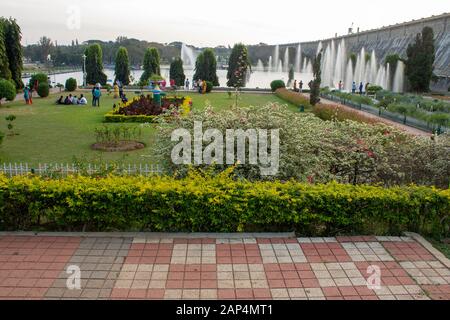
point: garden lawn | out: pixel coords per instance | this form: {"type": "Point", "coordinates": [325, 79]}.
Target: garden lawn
{"type": "Point", "coordinates": [48, 133]}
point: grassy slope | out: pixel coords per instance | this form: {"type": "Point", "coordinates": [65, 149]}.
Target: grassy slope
{"type": "Point", "coordinates": [55, 134]}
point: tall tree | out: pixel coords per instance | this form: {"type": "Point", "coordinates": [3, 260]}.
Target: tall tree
{"type": "Point", "coordinates": [315, 84]}
{"type": "Point", "coordinates": [45, 44]}
{"type": "Point", "coordinates": [421, 56]}
{"type": "Point", "coordinates": [177, 72]}
{"type": "Point", "coordinates": [13, 37]}
{"type": "Point", "coordinates": [94, 65]}
{"type": "Point", "coordinates": [206, 67]}
{"type": "Point", "coordinates": [5, 73]}
{"type": "Point", "coordinates": [151, 64]}
{"type": "Point", "coordinates": [122, 66]}
{"type": "Point", "coordinates": [238, 66]}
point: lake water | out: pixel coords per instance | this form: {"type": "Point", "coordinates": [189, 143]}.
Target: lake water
{"type": "Point", "coordinates": [258, 79]}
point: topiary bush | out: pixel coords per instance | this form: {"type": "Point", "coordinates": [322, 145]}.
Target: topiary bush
{"type": "Point", "coordinates": [7, 90]}
{"type": "Point", "coordinates": [209, 86]}
{"type": "Point", "coordinates": [71, 84]}
{"type": "Point", "coordinates": [374, 89]}
{"type": "Point", "coordinates": [43, 90]}
{"type": "Point", "coordinates": [39, 77]}
{"type": "Point", "coordinates": [277, 84]}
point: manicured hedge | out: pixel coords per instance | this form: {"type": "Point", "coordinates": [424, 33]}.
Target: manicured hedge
{"type": "Point", "coordinates": [218, 204]}
{"type": "Point", "coordinates": [333, 112]}
{"type": "Point", "coordinates": [293, 97]}
{"type": "Point", "coordinates": [111, 117]}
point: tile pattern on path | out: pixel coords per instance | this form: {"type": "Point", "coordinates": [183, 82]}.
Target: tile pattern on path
{"type": "Point", "coordinates": [36, 267]}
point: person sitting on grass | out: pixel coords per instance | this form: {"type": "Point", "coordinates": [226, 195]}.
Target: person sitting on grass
{"type": "Point", "coordinates": [68, 100]}
{"type": "Point", "coordinates": [82, 101]}
{"type": "Point", "coordinates": [75, 100]}
{"type": "Point", "coordinates": [60, 100]}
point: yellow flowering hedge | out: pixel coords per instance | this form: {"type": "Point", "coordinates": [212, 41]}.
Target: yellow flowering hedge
{"type": "Point", "coordinates": [205, 203]}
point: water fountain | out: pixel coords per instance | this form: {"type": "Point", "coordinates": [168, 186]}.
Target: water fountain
{"type": "Point", "coordinates": [298, 59]}
{"type": "Point", "coordinates": [309, 68]}
{"type": "Point", "coordinates": [328, 66]}
{"type": "Point", "coordinates": [270, 65]}
{"type": "Point", "coordinates": [188, 56]}
{"type": "Point", "coordinates": [280, 66]}
{"type": "Point", "coordinates": [336, 67]}
{"type": "Point", "coordinates": [340, 68]}
{"type": "Point", "coordinates": [399, 77]}
{"type": "Point", "coordinates": [373, 68]}
{"type": "Point", "coordinates": [319, 48]}
{"type": "Point", "coordinates": [260, 66]}
{"type": "Point", "coordinates": [276, 57]}
{"type": "Point", "coordinates": [349, 76]}
{"type": "Point", "coordinates": [286, 60]}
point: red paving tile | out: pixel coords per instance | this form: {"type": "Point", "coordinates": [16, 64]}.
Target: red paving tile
{"type": "Point", "coordinates": [438, 292]}
{"type": "Point", "coordinates": [31, 264]}
{"type": "Point", "coordinates": [392, 274]}
{"type": "Point", "coordinates": [408, 251]}
{"type": "Point", "coordinates": [325, 252]}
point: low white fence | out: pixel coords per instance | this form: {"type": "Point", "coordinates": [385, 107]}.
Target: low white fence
{"type": "Point", "coordinates": [46, 169]}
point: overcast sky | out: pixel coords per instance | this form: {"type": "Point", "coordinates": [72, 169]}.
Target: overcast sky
{"type": "Point", "coordinates": [209, 22]}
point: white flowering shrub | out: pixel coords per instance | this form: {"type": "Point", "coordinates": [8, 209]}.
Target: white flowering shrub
{"type": "Point", "coordinates": [317, 151]}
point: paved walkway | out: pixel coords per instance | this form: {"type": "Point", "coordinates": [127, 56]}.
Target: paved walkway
{"type": "Point", "coordinates": [166, 267]}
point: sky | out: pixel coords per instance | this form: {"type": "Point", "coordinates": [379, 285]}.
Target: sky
{"type": "Point", "coordinates": [209, 22]}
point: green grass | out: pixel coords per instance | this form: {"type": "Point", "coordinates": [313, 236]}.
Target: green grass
{"type": "Point", "coordinates": [48, 133]}
{"type": "Point", "coordinates": [443, 247]}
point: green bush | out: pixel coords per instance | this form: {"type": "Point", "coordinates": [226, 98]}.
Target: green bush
{"type": "Point", "coordinates": [71, 84]}
{"type": "Point", "coordinates": [43, 90]}
{"type": "Point", "coordinates": [218, 203]}
{"type": "Point", "coordinates": [277, 84]}
{"type": "Point", "coordinates": [39, 77]}
{"type": "Point", "coordinates": [7, 90]}
{"type": "Point", "coordinates": [209, 86]}
{"type": "Point", "coordinates": [374, 89]}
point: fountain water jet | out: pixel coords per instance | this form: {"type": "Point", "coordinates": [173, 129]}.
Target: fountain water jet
{"type": "Point", "coordinates": [399, 78]}
{"type": "Point", "coordinates": [276, 57]}
{"type": "Point", "coordinates": [298, 59]}
{"type": "Point", "coordinates": [188, 56]}
{"type": "Point", "coordinates": [286, 60]}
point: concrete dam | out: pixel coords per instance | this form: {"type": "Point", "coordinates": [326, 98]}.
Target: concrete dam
{"type": "Point", "coordinates": [393, 39]}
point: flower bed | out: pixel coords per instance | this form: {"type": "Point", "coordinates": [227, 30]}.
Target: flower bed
{"type": "Point", "coordinates": [144, 109]}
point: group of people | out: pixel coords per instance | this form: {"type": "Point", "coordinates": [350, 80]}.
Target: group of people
{"type": "Point", "coordinates": [28, 94]}
{"type": "Point", "coordinates": [199, 85]}
{"type": "Point", "coordinates": [72, 100]}
{"type": "Point", "coordinates": [81, 101]}
{"type": "Point", "coordinates": [360, 87]}
{"type": "Point", "coordinates": [298, 86]}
